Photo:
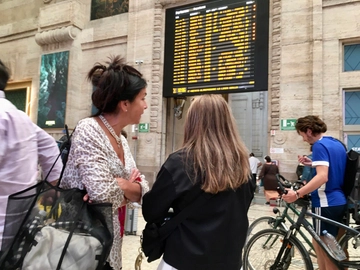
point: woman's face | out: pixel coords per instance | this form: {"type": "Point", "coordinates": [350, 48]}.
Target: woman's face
{"type": "Point", "coordinates": [137, 107]}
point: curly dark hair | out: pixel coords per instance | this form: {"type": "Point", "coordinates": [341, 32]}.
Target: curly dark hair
{"type": "Point", "coordinates": [114, 82]}
{"type": "Point", "coordinates": [267, 158]}
{"type": "Point", "coordinates": [312, 122]}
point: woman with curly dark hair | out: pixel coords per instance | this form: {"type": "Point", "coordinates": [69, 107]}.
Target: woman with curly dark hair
{"type": "Point", "coordinates": [100, 157]}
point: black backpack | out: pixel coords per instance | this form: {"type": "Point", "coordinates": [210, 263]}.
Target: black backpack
{"type": "Point", "coordinates": [351, 184]}
{"type": "Point", "coordinates": [352, 174]}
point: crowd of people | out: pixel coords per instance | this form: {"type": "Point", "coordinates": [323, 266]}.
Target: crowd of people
{"type": "Point", "coordinates": [212, 160]}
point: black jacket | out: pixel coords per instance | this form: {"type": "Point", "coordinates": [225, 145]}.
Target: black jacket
{"type": "Point", "coordinates": [211, 238]}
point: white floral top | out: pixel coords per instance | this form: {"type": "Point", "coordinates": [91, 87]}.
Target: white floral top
{"type": "Point", "coordinates": [94, 163]}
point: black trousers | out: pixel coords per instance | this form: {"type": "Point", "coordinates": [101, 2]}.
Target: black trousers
{"type": "Point", "coordinates": [254, 178]}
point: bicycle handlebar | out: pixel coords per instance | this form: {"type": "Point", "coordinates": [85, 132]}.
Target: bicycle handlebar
{"type": "Point", "coordinates": [281, 190]}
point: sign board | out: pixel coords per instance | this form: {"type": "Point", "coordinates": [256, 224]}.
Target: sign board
{"type": "Point", "coordinates": [144, 127]}
{"type": "Point", "coordinates": [287, 124]}
{"type": "Point", "coordinates": [216, 47]}
{"type": "Point", "coordinates": [276, 150]}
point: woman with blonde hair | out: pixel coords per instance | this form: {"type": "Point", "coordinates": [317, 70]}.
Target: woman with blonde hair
{"type": "Point", "coordinates": [213, 159]}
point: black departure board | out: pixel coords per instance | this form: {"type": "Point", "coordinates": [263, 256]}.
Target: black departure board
{"type": "Point", "coordinates": [216, 46]}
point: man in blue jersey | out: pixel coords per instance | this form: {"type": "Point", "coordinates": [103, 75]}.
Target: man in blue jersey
{"type": "Point", "coordinates": [327, 197]}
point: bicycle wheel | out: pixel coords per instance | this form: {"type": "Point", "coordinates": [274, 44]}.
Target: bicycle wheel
{"type": "Point", "coordinates": [263, 248]}
{"type": "Point", "coordinates": [260, 224]}
{"type": "Point", "coordinates": [351, 246]}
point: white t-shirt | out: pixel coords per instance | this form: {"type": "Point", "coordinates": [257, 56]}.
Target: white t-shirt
{"type": "Point", "coordinates": [254, 164]}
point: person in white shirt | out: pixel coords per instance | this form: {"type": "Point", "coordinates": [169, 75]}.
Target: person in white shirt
{"type": "Point", "coordinates": [23, 145]}
{"type": "Point", "coordinates": [254, 165]}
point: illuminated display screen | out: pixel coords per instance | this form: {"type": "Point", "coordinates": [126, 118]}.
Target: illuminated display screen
{"type": "Point", "coordinates": [216, 46]}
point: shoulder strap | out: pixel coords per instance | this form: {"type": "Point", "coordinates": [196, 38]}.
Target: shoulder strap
{"type": "Point", "coordinates": [169, 226]}
{"type": "Point", "coordinates": [343, 144]}
{"type": "Point", "coordinates": [64, 153]}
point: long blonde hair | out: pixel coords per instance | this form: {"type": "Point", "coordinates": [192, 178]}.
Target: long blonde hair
{"type": "Point", "coordinates": [213, 145]}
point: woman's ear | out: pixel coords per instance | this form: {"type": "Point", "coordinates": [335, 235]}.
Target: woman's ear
{"type": "Point", "coordinates": [123, 105]}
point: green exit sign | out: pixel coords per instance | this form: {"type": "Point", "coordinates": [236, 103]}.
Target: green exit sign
{"type": "Point", "coordinates": [144, 127]}
{"type": "Point", "coordinates": [287, 124]}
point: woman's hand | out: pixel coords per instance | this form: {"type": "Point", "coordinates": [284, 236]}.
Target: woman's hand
{"type": "Point", "coordinates": [86, 198]}
{"type": "Point", "coordinates": [123, 184]}
{"type": "Point", "coordinates": [131, 187]}
{"type": "Point", "coordinates": [134, 175]}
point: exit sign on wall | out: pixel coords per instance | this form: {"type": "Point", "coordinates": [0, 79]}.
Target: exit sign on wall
{"type": "Point", "coordinates": [287, 124]}
{"type": "Point", "coordinates": [144, 127]}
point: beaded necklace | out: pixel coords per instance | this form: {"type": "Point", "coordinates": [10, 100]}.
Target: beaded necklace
{"type": "Point", "coordinates": [111, 130]}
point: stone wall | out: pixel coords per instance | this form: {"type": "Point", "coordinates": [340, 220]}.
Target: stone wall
{"type": "Point", "coordinates": [308, 37]}
{"type": "Point", "coordinates": [305, 63]}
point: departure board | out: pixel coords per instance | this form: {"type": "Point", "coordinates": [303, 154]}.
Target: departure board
{"type": "Point", "coordinates": [216, 46]}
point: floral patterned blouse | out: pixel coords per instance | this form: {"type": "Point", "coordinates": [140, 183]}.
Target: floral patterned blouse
{"type": "Point", "coordinates": [94, 164]}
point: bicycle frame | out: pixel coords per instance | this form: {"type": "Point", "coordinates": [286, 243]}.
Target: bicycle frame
{"type": "Point", "coordinates": [302, 221]}
{"type": "Point", "coordinates": [285, 216]}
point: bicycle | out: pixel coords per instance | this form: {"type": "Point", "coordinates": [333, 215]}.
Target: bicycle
{"type": "Point", "coordinates": [279, 249]}
{"type": "Point", "coordinates": [279, 222]}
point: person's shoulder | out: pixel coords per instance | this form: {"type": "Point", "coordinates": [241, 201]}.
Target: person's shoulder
{"type": "Point", "coordinates": [327, 141]}
{"type": "Point", "coordinates": [88, 127]}
{"type": "Point", "coordinates": [175, 160]}
{"type": "Point", "coordinates": [7, 106]}
{"type": "Point", "coordinates": [176, 156]}
{"type": "Point", "coordinates": [12, 114]}
{"type": "Point", "coordinates": [88, 121]}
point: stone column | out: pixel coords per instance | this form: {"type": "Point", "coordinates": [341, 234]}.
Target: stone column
{"type": "Point", "coordinates": [60, 24]}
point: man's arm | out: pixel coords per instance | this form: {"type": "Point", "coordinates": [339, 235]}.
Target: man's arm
{"type": "Point", "coordinates": [317, 181]}
{"type": "Point", "coordinates": [3, 140]}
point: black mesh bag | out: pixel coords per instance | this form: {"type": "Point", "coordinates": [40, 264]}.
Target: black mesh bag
{"type": "Point", "coordinates": [47, 227]}
{"type": "Point", "coordinates": [52, 228]}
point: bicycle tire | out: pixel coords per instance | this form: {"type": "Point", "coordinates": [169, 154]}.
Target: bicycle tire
{"type": "Point", "coordinates": [259, 224]}
{"type": "Point", "coordinates": [347, 243]}
{"type": "Point", "coordinates": [262, 249]}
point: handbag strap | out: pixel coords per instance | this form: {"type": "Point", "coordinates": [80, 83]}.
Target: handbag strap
{"type": "Point", "coordinates": [72, 230]}
{"type": "Point", "coordinates": [166, 229]}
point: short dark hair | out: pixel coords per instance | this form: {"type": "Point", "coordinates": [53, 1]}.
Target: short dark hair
{"type": "Point", "coordinates": [113, 83]}
{"type": "Point", "coordinates": [312, 122]}
{"type": "Point", "coordinates": [251, 154]}
{"type": "Point", "coordinates": [4, 75]}
{"type": "Point", "coordinates": [267, 158]}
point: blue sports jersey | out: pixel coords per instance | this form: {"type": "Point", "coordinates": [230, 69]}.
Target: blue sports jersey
{"type": "Point", "coordinates": [331, 153]}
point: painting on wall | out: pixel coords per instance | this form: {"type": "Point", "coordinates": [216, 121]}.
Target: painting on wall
{"type": "Point", "coordinates": [107, 8]}
{"type": "Point", "coordinates": [52, 92]}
